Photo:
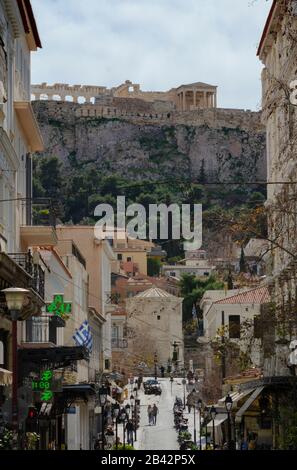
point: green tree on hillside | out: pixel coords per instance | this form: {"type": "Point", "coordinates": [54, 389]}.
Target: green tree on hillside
{"type": "Point", "coordinates": [192, 289]}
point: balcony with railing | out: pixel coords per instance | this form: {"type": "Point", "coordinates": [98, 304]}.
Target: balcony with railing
{"type": "Point", "coordinates": [43, 212]}
{"type": "Point", "coordinates": [119, 343]}
{"type": "Point", "coordinates": [39, 229]}
{"type": "Point", "coordinates": [40, 330]}
{"type": "Point", "coordinates": [35, 271]}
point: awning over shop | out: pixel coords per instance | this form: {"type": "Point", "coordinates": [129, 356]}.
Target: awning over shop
{"type": "Point", "coordinates": [219, 419]}
{"type": "Point", "coordinates": [70, 395]}
{"type": "Point", "coordinates": [111, 400]}
{"type": "Point", "coordinates": [113, 385]}
{"type": "Point", "coordinates": [35, 359]}
{"type": "Point", "coordinates": [5, 377]}
{"type": "Point", "coordinates": [79, 390]}
{"type": "Point", "coordinates": [248, 403]}
{"type": "Point", "coordinates": [236, 397]}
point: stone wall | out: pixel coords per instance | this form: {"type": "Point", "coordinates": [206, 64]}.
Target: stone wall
{"type": "Point", "coordinates": [138, 111]}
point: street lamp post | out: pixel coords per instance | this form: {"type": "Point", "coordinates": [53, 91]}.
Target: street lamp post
{"type": "Point", "coordinates": [116, 411]}
{"type": "Point", "coordinates": [195, 432]}
{"type": "Point", "coordinates": [171, 382]}
{"type": "Point", "coordinates": [184, 385]}
{"type": "Point", "coordinates": [199, 403]}
{"type": "Point", "coordinates": [213, 413]}
{"type": "Point", "coordinates": [137, 407]}
{"type": "Point", "coordinates": [205, 415]}
{"type": "Point", "coordinates": [135, 390]}
{"type": "Point", "coordinates": [127, 409]}
{"type": "Point", "coordinates": [228, 405]}
{"type": "Point", "coordinates": [133, 410]}
{"type": "Point", "coordinates": [156, 362]}
{"type": "Point", "coordinates": [103, 392]}
{"type": "Point", "coordinates": [14, 299]}
{"type": "Point", "coordinates": [124, 417]}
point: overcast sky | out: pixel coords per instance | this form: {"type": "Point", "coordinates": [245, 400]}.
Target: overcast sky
{"type": "Point", "coordinates": [157, 43]}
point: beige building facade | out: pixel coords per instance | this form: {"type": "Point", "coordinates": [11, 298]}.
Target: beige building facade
{"type": "Point", "coordinates": [19, 132]}
{"type": "Point", "coordinates": [278, 53]}
{"type": "Point", "coordinates": [99, 258]}
{"type": "Point", "coordinates": [156, 316]}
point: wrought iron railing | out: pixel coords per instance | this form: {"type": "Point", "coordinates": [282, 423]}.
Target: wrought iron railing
{"type": "Point", "coordinates": [41, 330]}
{"type": "Point", "coordinates": [117, 343]}
{"type": "Point", "coordinates": [26, 261]}
{"type": "Point", "coordinates": [44, 212]}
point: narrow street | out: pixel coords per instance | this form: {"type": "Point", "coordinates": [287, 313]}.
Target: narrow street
{"type": "Point", "coordinates": [163, 436]}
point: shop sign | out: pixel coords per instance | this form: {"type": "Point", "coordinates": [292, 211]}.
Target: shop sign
{"type": "Point", "coordinates": [59, 307]}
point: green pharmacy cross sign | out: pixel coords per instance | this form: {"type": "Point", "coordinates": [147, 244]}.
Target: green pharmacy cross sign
{"type": "Point", "coordinates": [59, 308]}
{"type": "Point", "coordinates": [44, 385]}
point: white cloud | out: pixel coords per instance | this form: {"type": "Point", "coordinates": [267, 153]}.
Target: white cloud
{"type": "Point", "coordinates": [157, 43]}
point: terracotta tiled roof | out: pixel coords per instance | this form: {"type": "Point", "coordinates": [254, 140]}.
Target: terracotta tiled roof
{"type": "Point", "coordinates": [154, 292]}
{"type": "Point", "coordinates": [259, 295]}
{"type": "Point", "coordinates": [251, 373]}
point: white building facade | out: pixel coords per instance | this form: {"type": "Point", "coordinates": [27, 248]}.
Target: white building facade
{"type": "Point", "coordinates": [19, 133]}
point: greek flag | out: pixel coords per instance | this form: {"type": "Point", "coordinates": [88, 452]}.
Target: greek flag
{"type": "Point", "coordinates": [83, 336]}
{"type": "Point", "coordinates": [194, 313]}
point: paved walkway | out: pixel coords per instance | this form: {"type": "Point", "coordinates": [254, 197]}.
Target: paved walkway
{"type": "Point", "coordinates": [163, 436]}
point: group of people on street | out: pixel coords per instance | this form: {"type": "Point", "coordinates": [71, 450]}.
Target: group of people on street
{"type": "Point", "coordinates": [152, 412]}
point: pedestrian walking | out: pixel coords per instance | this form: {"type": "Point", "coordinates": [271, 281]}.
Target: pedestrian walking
{"type": "Point", "coordinates": [162, 368]}
{"type": "Point", "coordinates": [139, 381]}
{"type": "Point", "coordinates": [155, 411]}
{"type": "Point", "coordinates": [130, 431]}
{"type": "Point", "coordinates": [150, 414]}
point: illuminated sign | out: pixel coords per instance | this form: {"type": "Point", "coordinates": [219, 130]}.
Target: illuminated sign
{"type": "Point", "coordinates": [59, 308]}
{"type": "Point", "coordinates": [44, 386]}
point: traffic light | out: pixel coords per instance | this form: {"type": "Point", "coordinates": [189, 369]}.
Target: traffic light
{"type": "Point", "coordinates": [32, 412]}
{"type": "Point", "coordinates": [32, 419]}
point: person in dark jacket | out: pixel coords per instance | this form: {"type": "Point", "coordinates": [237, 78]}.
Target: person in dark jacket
{"type": "Point", "coordinates": [155, 411]}
{"type": "Point", "coordinates": [130, 431]}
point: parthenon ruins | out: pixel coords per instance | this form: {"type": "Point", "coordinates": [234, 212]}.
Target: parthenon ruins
{"type": "Point", "coordinates": [184, 98]}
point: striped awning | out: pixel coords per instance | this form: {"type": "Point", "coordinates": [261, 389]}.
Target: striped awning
{"type": "Point", "coordinates": [236, 397]}
{"type": "Point", "coordinates": [219, 419]}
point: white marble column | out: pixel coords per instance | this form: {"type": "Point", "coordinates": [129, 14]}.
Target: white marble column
{"type": "Point", "coordinates": [204, 99]}
{"type": "Point", "coordinates": [194, 98]}
{"type": "Point", "coordinates": [184, 100]}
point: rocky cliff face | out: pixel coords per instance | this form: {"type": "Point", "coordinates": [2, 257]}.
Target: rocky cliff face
{"type": "Point", "coordinates": [230, 144]}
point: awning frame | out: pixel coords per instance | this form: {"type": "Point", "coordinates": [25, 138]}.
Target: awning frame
{"type": "Point", "coordinates": [248, 403]}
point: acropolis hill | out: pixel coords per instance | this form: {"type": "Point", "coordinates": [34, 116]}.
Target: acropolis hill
{"type": "Point", "coordinates": [144, 133]}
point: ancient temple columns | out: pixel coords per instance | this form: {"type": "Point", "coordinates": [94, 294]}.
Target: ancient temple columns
{"type": "Point", "coordinates": [186, 97]}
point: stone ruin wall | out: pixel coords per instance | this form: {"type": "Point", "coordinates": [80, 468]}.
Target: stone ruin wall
{"type": "Point", "coordinates": [143, 114]}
